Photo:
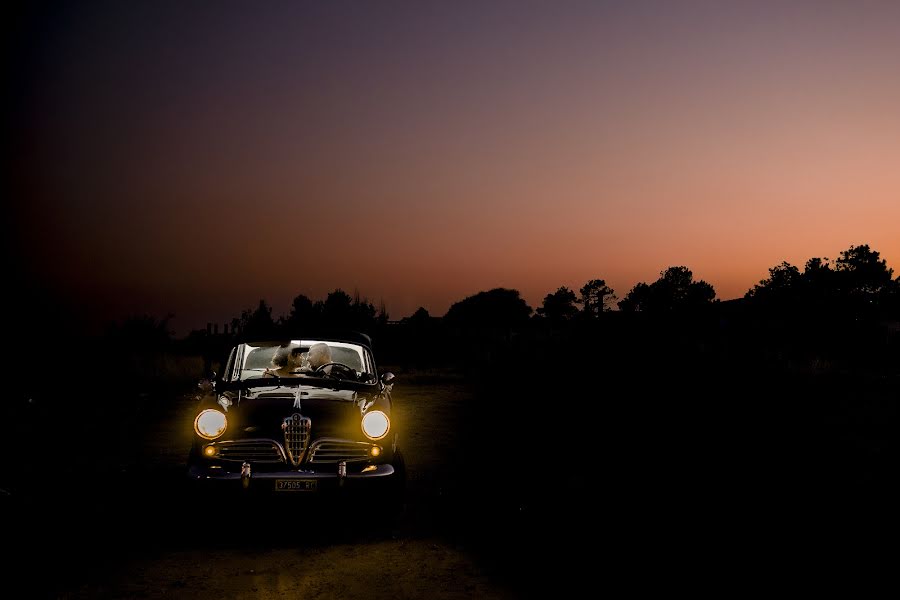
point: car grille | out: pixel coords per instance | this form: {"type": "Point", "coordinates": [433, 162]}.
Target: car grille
{"type": "Point", "coordinates": [333, 451]}
{"type": "Point", "coordinates": [253, 451]}
{"type": "Point", "coordinates": [296, 436]}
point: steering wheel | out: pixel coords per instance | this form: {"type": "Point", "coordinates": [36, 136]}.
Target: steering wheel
{"type": "Point", "coordinates": [344, 367]}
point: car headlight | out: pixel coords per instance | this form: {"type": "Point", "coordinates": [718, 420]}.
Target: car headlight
{"type": "Point", "coordinates": [375, 424]}
{"type": "Point", "coordinates": [210, 424]}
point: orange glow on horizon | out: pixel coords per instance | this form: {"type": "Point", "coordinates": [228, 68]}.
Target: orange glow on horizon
{"type": "Point", "coordinates": [554, 147]}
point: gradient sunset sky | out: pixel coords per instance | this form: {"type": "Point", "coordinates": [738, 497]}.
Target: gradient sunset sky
{"type": "Point", "coordinates": [193, 158]}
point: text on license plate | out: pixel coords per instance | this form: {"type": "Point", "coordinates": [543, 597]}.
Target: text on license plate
{"type": "Point", "coordinates": [295, 485]}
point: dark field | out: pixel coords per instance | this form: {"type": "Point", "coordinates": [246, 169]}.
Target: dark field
{"type": "Point", "coordinates": [518, 484]}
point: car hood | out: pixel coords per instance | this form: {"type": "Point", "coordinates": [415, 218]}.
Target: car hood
{"type": "Point", "coordinates": [333, 413]}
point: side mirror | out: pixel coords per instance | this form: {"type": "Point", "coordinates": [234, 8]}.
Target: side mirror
{"type": "Point", "coordinates": [387, 378]}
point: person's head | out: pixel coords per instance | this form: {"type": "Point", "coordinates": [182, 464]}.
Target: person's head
{"type": "Point", "coordinates": [319, 354]}
{"type": "Point", "coordinates": [288, 357]}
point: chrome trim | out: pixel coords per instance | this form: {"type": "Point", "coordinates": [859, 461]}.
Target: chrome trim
{"type": "Point", "coordinates": [240, 448]}
{"type": "Point", "coordinates": [335, 450]}
{"type": "Point", "coordinates": [296, 437]}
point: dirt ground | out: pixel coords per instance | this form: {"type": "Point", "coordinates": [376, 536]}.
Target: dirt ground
{"type": "Point", "coordinates": [635, 495]}
{"type": "Point", "coordinates": [137, 535]}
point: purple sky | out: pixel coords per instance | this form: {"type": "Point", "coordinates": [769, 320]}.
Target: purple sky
{"type": "Point", "coordinates": [192, 158]}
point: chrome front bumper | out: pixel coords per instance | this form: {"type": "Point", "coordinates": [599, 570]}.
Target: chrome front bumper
{"type": "Point", "coordinates": [250, 479]}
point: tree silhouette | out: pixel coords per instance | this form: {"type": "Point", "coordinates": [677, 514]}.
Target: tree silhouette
{"type": "Point", "coordinates": [817, 268]}
{"type": "Point", "coordinates": [818, 286]}
{"type": "Point", "coordinates": [859, 284]}
{"type": "Point", "coordinates": [890, 300]}
{"type": "Point", "coordinates": [862, 271]}
{"type": "Point", "coordinates": [337, 308]}
{"type": "Point", "coordinates": [499, 307]}
{"type": "Point", "coordinates": [363, 314]}
{"type": "Point", "coordinates": [675, 290]}
{"type": "Point", "coordinates": [559, 306]}
{"type": "Point", "coordinates": [257, 323]}
{"type": "Point", "coordinates": [302, 313]}
{"type": "Point", "coordinates": [418, 318]}
{"type": "Point", "coordinates": [780, 287]}
{"type": "Point", "coordinates": [638, 299]}
{"type": "Point", "coordinates": [382, 318]}
{"type": "Point", "coordinates": [341, 312]}
{"type": "Point", "coordinates": [788, 291]}
{"type": "Point", "coordinates": [596, 298]}
{"type": "Point", "coordinates": [418, 340]}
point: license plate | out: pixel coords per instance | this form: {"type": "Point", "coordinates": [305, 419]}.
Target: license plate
{"type": "Point", "coordinates": [295, 485]}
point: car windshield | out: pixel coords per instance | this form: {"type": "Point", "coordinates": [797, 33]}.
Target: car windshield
{"type": "Point", "coordinates": [292, 358]}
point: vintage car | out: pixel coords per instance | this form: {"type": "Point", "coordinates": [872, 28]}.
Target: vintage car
{"type": "Point", "coordinates": [306, 429]}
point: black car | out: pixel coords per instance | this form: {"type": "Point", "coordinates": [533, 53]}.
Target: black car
{"type": "Point", "coordinates": [307, 416]}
